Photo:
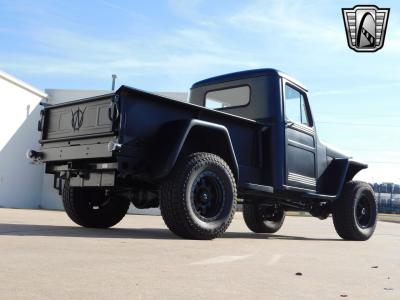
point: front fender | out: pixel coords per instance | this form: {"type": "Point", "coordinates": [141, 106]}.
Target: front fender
{"type": "Point", "coordinates": [339, 171]}
{"type": "Point", "coordinates": [354, 168]}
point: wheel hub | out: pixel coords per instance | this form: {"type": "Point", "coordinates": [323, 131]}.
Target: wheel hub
{"type": "Point", "coordinates": [204, 197]}
{"type": "Point", "coordinates": [363, 213]}
{"type": "Point", "coordinates": [271, 213]}
{"type": "Point", "coordinates": [207, 196]}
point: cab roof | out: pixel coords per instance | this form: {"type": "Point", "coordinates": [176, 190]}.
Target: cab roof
{"type": "Point", "coordinates": [245, 74]}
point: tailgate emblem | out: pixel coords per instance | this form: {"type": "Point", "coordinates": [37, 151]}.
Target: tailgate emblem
{"type": "Point", "coordinates": [77, 118]}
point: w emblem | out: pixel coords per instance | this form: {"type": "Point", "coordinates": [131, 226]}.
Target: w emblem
{"type": "Point", "coordinates": [365, 27]}
{"type": "Point", "coordinates": [77, 118]}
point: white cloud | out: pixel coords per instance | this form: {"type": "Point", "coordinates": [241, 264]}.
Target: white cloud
{"type": "Point", "coordinates": [292, 19]}
{"type": "Point", "coordinates": [175, 54]}
{"type": "Point", "coordinates": [190, 10]}
{"type": "Point", "coordinates": [357, 89]}
{"type": "Point", "coordinates": [380, 172]}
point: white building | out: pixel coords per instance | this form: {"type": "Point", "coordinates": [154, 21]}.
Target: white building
{"type": "Point", "coordinates": [20, 182]}
{"type": "Point", "coordinates": [23, 185]}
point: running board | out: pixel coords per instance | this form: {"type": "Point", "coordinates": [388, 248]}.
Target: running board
{"type": "Point", "coordinates": [259, 188]}
{"type": "Point", "coordinates": [320, 196]}
{"type": "Point", "coordinates": [270, 190]}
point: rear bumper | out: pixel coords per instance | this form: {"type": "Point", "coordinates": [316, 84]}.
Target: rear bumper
{"type": "Point", "coordinates": [84, 175]}
{"type": "Point", "coordinates": [75, 152]}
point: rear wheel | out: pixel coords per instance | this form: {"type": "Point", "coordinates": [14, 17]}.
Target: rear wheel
{"type": "Point", "coordinates": [355, 212]}
{"type": "Point", "coordinates": [198, 199]}
{"type": "Point", "coordinates": [93, 207]}
{"type": "Point", "coordinates": [263, 218]}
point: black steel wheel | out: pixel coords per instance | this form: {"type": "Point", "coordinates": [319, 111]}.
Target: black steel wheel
{"type": "Point", "coordinates": [94, 207]}
{"type": "Point", "coordinates": [263, 218]}
{"type": "Point", "coordinates": [207, 196]}
{"type": "Point", "coordinates": [198, 199]}
{"type": "Point", "coordinates": [355, 212]}
{"type": "Point", "coordinates": [364, 212]}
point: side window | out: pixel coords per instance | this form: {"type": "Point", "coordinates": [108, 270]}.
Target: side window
{"type": "Point", "coordinates": [225, 98]}
{"type": "Point", "coordinates": [295, 106]}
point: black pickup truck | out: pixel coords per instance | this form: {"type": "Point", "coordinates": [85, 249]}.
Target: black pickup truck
{"type": "Point", "coordinates": [246, 137]}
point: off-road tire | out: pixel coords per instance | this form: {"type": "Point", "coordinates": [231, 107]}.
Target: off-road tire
{"type": "Point", "coordinates": [258, 223]}
{"type": "Point", "coordinates": [346, 209]}
{"type": "Point", "coordinates": [177, 197]}
{"type": "Point", "coordinates": [79, 204]}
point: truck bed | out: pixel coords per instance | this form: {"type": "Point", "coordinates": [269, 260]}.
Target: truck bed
{"type": "Point", "coordinates": [141, 116]}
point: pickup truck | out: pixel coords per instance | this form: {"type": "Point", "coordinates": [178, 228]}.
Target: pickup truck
{"type": "Point", "coordinates": [247, 137]}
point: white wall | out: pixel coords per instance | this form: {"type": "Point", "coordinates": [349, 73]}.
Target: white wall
{"type": "Point", "coordinates": [20, 182]}
{"type": "Point", "coordinates": [14, 101]}
{"type": "Point", "coordinates": [55, 96]}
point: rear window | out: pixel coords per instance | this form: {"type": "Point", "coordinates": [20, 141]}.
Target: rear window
{"type": "Point", "coordinates": [232, 97]}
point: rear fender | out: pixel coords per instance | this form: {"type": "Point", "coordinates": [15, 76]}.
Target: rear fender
{"type": "Point", "coordinates": [183, 137]}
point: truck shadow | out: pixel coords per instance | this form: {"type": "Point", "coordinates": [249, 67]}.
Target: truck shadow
{"type": "Point", "coordinates": [126, 233]}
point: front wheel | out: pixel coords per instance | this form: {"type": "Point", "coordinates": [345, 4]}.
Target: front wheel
{"type": "Point", "coordinates": [263, 218]}
{"type": "Point", "coordinates": [198, 199]}
{"type": "Point", "coordinates": [355, 212]}
{"type": "Point", "coordinates": [93, 207]}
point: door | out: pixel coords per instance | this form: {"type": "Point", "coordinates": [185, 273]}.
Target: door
{"type": "Point", "coordinates": [300, 139]}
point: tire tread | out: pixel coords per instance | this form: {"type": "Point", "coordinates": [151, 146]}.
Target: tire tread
{"type": "Point", "coordinates": [343, 213]}
{"type": "Point", "coordinates": [173, 192]}
{"type": "Point", "coordinates": [113, 215]}
{"type": "Point", "coordinates": [255, 223]}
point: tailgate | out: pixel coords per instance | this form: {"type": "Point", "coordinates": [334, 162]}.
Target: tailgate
{"type": "Point", "coordinates": [82, 118]}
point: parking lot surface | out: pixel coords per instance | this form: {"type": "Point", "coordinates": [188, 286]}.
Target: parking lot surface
{"type": "Point", "coordinates": [43, 255]}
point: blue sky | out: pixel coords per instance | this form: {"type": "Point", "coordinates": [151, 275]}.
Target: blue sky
{"type": "Point", "coordinates": [168, 45]}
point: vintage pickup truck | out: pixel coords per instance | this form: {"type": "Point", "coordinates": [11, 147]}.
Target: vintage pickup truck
{"type": "Point", "coordinates": [248, 136]}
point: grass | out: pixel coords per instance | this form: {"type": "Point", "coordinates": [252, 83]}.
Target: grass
{"type": "Point", "coordinates": [389, 218]}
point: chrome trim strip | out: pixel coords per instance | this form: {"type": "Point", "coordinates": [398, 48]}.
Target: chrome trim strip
{"type": "Point", "coordinates": [306, 178]}
{"type": "Point", "coordinates": [305, 183]}
{"type": "Point", "coordinates": [302, 179]}
{"type": "Point", "coordinates": [303, 128]}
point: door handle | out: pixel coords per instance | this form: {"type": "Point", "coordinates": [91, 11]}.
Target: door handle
{"type": "Point", "coordinates": [289, 124]}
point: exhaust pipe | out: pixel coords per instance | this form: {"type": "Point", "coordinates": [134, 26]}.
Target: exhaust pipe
{"type": "Point", "coordinates": [34, 155]}
{"type": "Point", "coordinates": [113, 146]}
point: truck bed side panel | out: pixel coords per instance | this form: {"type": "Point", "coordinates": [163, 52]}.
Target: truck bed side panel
{"type": "Point", "coordinates": [144, 114]}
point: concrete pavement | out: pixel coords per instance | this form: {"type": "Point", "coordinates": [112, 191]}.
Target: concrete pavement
{"type": "Point", "coordinates": [43, 255]}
